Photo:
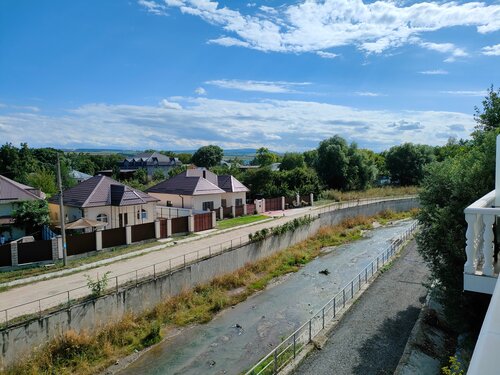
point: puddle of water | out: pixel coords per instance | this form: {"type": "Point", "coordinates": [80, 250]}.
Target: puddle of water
{"type": "Point", "coordinates": [238, 337]}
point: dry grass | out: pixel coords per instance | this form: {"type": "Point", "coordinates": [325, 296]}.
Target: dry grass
{"type": "Point", "coordinates": [86, 353]}
{"type": "Point", "coordinates": [386, 191]}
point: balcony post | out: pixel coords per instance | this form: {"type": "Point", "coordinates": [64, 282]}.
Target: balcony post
{"type": "Point", "coordinates": [488, 244]}
{"type": "Point", "coordinates": [470, 248]}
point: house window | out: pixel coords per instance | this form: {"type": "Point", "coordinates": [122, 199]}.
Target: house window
{"type": "Point", "coordinates": [208, 206]}
{"type": "Point", "coordinates": [238, 202]}
{"type": "Point", "coordinates": [102, 218]}
{"type": "Point", "coordinates": [223, 203]}
{"type": "Point", "coordinates": [144, 214]}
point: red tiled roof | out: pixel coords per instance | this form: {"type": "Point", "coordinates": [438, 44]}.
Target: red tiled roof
{"type": "Point", "coordinates": [102, 191]}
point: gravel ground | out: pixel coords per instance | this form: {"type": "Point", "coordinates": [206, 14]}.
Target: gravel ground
{"type": "Point", "coordinates": [371, 338]}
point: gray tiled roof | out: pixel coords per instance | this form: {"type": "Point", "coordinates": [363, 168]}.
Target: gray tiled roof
{"type": "Point", "coordinates": [11, 190]}
{"type": "Point", "coordinates": [230, 184]}
{"type": "Point", "coordinates": [185, 185]}
{"type": "Point", "coordinates": [102, 191]}
{"type": "Point", "coordinates": [151, 157]}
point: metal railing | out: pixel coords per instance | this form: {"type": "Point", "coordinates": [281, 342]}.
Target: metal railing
{"type": "Point", "coordinates": [36, 308]}
{"type": "Point", "coordinates": [291, 346]}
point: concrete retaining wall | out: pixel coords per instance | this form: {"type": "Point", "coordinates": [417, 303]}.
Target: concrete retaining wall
{"type": "Point", "coordinates": [88, 315]}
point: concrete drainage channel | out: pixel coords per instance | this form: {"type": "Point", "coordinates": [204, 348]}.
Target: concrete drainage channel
{"type": "Point", "coordinates": [313, 333]}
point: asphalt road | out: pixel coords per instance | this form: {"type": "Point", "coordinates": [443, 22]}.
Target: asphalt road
{"type": "Point", "coordinates": [370, 339]}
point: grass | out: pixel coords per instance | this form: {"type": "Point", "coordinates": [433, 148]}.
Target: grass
{"type": "Point", "coordinates": [237, 221]}
{"type": "Point", "coordinates": [88, 353]}
{"type": "Point", "coordinates": [328, 196]}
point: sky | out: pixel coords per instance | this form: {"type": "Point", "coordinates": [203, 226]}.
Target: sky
{"type": "Point", "coordinates": [180, 74]}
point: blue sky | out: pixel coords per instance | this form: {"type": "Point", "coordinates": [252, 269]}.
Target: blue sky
{"type": "Point", "coordinates": [179, 74]}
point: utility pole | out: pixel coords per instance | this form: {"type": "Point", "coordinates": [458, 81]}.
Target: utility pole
{"type": "Point", "coordinates": [61, 211]}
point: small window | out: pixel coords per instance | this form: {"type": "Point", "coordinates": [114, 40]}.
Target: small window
{"type": "Point", "coordinates": [102, 218]}
{"type": "Point", "coordinates": [239, 202]}
{"type": "Point", "coordinates": [169, 203]}
{"type": "Point", "coordinates": [223, 203]}
{"type": "Point", "coordinates": [144, 214]}
{"type": "Point", "coordinates": [208, 206]}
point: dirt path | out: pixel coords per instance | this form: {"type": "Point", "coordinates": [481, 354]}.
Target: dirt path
{"type": "Point", "coordinates": [372, 336]}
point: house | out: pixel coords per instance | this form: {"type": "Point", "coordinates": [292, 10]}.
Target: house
{"type": "Point", "coordinates": [103, 199]}
{"type": "Point", "coordinates": [150, 161]}
{"type": "Point", "coordinates": [11, 194]}
{"type": "Point", "coordinates": [79, 176]}
{"type": "Point", "coordinates": [200, 189]}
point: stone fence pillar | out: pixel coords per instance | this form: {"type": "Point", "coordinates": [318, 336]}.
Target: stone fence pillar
{"type": "Point", "coordinates": [157, 229]}
{"type": "Point", "coordinates": [214, 219]}
{"type": "Point", "coordinates": [233, 211]}
{"type": "Point", "coordinates": [98, 239]}
{"type": "Point", "coordinates": [282, 203]}
{"type": "Point", "coordinates": [55, 249]}
{"type": "Point", "coordinates": [311, 197]}
{"type": "Point", "coordinates": [221, 213]}
{"type": "Point", "coordinates": [190, 223]}
{"type": "Point", "coordinates": [169, 227]}
{"type": "Point", "coordinates": [245, 210]}
{"type": "Point", "coordinates": [13, 254]}
{"type": "Point", "coordinates": [128, 234]}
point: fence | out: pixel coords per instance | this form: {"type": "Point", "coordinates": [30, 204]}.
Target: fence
{"type": "Point", "coordinates": [290, 347]}
{"type": "Point", "coordinates": [180, 225]}
{"type": "Point", "coordinates": [172, 212]}
{"type": "Point", "coordinates": [203, 222]}
{"type": "Point", "coordinates": [306, 199]}
{"type": "Point", "coordinates": [143, 232]}
{"type": "Point", "coordinates": [114, 237]}
{"type": "Point", "coordinates": [80, 243]}
{"type": "Point", "coordinates": [5, 256]}
{"type": "Point", "coordinates": [26, 310]}
{"type": "Point", "coordinates": [239, 211]}
{"type": "Point", "coordinates": [250, 208]}
{"type": "Point", "coordinates": [227, 212]}
{"type": "Point", "coordinates": [274, 204]}
{"type": "Point", "coordinates": [37, 251]}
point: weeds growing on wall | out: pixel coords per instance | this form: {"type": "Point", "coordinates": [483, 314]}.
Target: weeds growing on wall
{"type": "Point", "coordinates": [89, 353]}
{"type": "Point", "coordinates": [280, 229]}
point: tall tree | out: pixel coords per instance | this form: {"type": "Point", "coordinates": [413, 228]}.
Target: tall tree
{"type": "Point", "coordinates": [488, 117]}
{"type": "Point", "coordinates": [208, 156]}
{"type": "Point", "coordinates": [292, 160]}
{"type": "Point", "coordinates": [264, 157]}
{"type": "Point", "coordinates": [31, 215]}
{"type": "Point", "coordinates": [406, 163]}
{"type": "Point", "coordinates": [333, 162]}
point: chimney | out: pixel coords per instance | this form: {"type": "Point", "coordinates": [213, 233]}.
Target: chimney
{"type": "Point", "coordinates": [204, 174]}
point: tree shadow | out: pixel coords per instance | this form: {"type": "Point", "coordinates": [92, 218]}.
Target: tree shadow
{"type": "Point", "coordinates": [380, 354]}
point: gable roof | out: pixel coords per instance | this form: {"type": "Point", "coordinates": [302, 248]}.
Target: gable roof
{"type": "Point", "coordinates": [183, 184]}
{"type": "Point", "coordinates": [153, 157]}
{"type": "Point", "coordinates": [11, 190]}
{"type": "Point", "coordinates": [230, 184]}
{"type": "Point", "coordinates": [102, 191]}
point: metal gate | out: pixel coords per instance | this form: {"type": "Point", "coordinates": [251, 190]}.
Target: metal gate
{"type": "Point", "coordinates": [202, 222]}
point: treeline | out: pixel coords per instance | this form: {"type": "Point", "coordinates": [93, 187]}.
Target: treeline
{"type": "Point", "coordinates": [334, 164]}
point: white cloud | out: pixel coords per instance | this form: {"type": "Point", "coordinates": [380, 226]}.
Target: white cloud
{"type": "Point", "coordinates": [277, 87]}
{"type": "Point", "coordinates": [200, 91]}
{"type": "Point", "coordinates": [434, 72]}
{"type": "Point", "coordinates": [278, 124]}
{"type": "Point", "coordinates": [164, 103]}
{"type": "Point", "coordinates": [153, 7]}
{"type": "Point", "coordinates": [327, 55]}
{"type": "Point", "coordinates": [466, 93]}
{"type": "Point", "coordinates": [450, 48]}
{"type": "Point", "coordinates": [368, 93]}
{"type": "Point", "coordinates": [492, 50]}
{"type": "Point", "coordinates": [311, 26]}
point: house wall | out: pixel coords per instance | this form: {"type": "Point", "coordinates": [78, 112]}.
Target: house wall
{"type": "Point", "coordinates": [199, 199]}
{"type": "Point", "coordinates": [177, 200]}
{"type": "Point", "coordinates": [112, 212]}
{"type": "Point", "coordinates": [231, 198]}
{"type": "Point", "coordinates": [8, 230]}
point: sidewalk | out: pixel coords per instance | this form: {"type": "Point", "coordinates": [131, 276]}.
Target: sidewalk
{"type": "Point", "coordinates": [371, 338]}
{"type": "Point", "coordinates": [43, 294]}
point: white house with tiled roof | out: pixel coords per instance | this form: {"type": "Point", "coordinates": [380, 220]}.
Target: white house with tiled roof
{"type": "Point", "coordinates": [199, 189]}
{"type": "Point", "coordinates": [103, 199]}
{"type": "Point", "coordinates": [11, 194]}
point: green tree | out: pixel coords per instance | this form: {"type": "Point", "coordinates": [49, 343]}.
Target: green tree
{"type": "Point", "coordinates": [311, 158]}
{"type": "Point", "coordinates": [43, 179]}
{"type": "Point", "coordinates": [208, 156]}
{"type": "Point", "coordinates": [292, 160]}
{"type": "Point", "coordinates": [184, 158]}
{"type": "Point", "coordinates": [141, 175]}
{"type": "Point", "coordinates": [300, 180]}
{"type": "Point", "coordinates": [264, 157]}
{"type": "Point", "coordinates": [158, 175]}
{"type": "Point", "coordinates": [9, 159]}
{"type": "Point", "coordinates": [406, 163]}
{"type": "Point", "coordinates": [488, 117]}
{"type": "Point", "coordinates": [176, 170]}
{"type": "Point", "coordinates": [31, 215]}
{"type": "Point", "coordinates": [361, 171]}
{"type": "Point", "coordinates": [446, 190]}
{"type": "Point", "coordinates": [333, 162]}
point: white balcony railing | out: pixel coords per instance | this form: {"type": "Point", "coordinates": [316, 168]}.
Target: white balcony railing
{"type": "Point", "coordinates": [480, 271]}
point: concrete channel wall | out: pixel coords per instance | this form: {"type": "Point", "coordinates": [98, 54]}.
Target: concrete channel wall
{"type": "Point", "coordinates": [88, 315]}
